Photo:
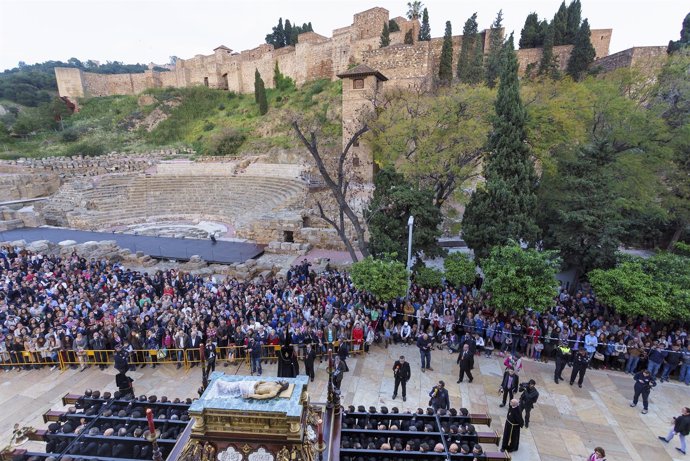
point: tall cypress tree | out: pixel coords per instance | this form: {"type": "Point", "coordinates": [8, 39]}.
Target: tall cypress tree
{"type": "Point", "coordinates": [583, 53]}
{"type": "Point", "coordinates": [260, 93]}
{"type": "Point", "coordinates": [467, 47]}
{"type": "Point", "coordinates": [573, 23]}
{"type": "Point", "coordinates": [493, 59]}
{"type": "Point", "coordinates": [530, 34]}
{"type": "Point", "coordinates": [560, 25]}
{"type": "Point", "coordinates": [288, 33]}
{"type": "Point", "coordinates": [445, 71]}
{"type": "Point", "coordinates": [385, 36]}
{"type": "Point", "coordinates": [425, 29]}
{"type": "Point", "coordinates": [279, 34]}
{"type": "Point", "coordinates": [504, 208]}
{"type": "Point", "coordinates": [548, 65]}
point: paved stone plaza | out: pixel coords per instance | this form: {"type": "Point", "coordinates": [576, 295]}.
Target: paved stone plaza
{"type": "Point", "coordinates": [567, 422]}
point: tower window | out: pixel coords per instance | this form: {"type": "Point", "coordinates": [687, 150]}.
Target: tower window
{"type": "Point", "coordinates": [358, 84]}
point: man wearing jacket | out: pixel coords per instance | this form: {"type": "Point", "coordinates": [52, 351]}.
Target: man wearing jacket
{"type": "Point", "coordinates": [580, 362]}
{"type": "Point", "coordinates": [509, 385]}
{"type": "Point", "coordinates": [401, 372]}
{"type": "Point", "coordinates": [681, 426]}
{"type": "Point", "coordinates": [656, 358]}
{"type": "Point", "coordinates": [673, 359]}
{"type": "Point", "coordinates": [644, 382]}
{"type": "Point", "coordinates": [528, 398]}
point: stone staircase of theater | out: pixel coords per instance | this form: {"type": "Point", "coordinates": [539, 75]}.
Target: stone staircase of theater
{"type": "Point", "coordinates": [120, 200]}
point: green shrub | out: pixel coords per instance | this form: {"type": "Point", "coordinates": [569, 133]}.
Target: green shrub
{"type": "Point", "coordinates": [89, 148]}
{"type": "Point", "coordinates": [428, 277]}
{"type": "Point", "coordinates": [227, 142]}
{"type": "Point", "coordinates": [69, 135]}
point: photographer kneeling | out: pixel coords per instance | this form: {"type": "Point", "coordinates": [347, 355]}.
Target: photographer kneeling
{"type": "Point", "coordinates": [528, 398]}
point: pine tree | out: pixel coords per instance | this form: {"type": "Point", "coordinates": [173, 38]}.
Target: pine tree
{"type": "Point", "coordinates": [288, 33]}
{"type": "Point", "coordinates": [583, 53]}
{"type": "Point", "coordinates": [385, 36]}
{"type": "Point", "coordinates": [573, 23]}
{"type": "Point", "coordinates": [409, 39]}
{"type": "Point", "coordinates": [560, 25]}
{"type": "Point", "coordinates": [260, 93]}
{"type": "Point", "coordinates": [470, 40]}
{"type": "Point", "coordinates": [425, 30]}
{"type": "Point", "coordinates": [548, 65]}
{"type": "Point", "coordinates": [445, 71]}
{"type": "Point", "coordinates": [493, 59]}
{"type": "Point", "coordinates": [504, 209]}
{"type": "Point", "coordinates": [279, 34]}
{"type": "Point", "coordinates": [529, 36]}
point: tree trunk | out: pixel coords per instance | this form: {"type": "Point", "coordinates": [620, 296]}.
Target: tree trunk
{"type": "Point", "coordinates": [676, 235]}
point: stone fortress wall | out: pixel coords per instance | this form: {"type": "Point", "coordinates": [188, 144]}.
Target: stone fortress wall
{"type": "Point", "coordinates": [314, 57]}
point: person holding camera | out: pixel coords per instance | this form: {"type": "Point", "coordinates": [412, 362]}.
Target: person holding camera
{"type": "Point", "coordinates": [528, 398]}
{"type": "Point", "coordinates": [509, 385]}
{"type": "Point", "coordinates": [644, 382]}
{"type": "Point", "coordinates": [401, 372]}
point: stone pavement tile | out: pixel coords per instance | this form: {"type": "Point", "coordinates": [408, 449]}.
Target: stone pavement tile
{"type": "Point", "coordinates": [554, 458]}
{"type": "Point", "coordinates": [657, 453]}
{"type": "Point", "coordinates": [573, 441]}
{"type": "Point", "coordinates": [551, 444]}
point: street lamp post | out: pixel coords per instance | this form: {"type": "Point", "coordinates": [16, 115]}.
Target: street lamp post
{"type": "Point", "coordinates": [410, 225]}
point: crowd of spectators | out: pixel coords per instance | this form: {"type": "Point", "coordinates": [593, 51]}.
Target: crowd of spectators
{"type": "Point", "coordinates": [51, 305]}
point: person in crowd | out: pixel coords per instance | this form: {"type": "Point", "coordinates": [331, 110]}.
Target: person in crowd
{"type": "Point", "coordinates": [681, 427]}
{"type": "Point", "coordinates": [644, 382]}
{"type": "Point", "coordinates": [598, 455]}
{"type": "Point", "coordinates": [401, 374]}
{"type": "Point", "coordinates": [438, 397]}
{"type": "Point", "coordinates": [309, 359]}
{"type": "Point", "coordinates": [424, 344]}
{"type": "Point", "coordinates": [465, 360]}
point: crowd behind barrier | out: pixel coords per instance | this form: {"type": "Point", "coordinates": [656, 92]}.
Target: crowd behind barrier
{"type": "Point", "coordinates": [73, 312]}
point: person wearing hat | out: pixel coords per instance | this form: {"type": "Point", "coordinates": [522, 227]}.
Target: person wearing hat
{"type": "Point", "coordinates": [528, 398]}
{"type": "Point", "coordinates": [580, 364]}
{"type": "Point", "coordinates": [401, 373]}
{"type": "Point", "coordinates": [562, 357]}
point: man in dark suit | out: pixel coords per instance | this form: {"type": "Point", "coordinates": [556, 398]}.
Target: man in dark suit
{"type": "Point", "coordinates": [509, 385]}
{"type": "Point", "coordinates": [401, 372]}
{"type": "Point", "coordinates": [309, 357]}
{"type": "Point", "coordinates": [465, 359]}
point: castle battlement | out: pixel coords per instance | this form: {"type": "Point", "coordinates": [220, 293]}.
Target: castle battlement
{"type": "Point", "coordinates": [313, 57]}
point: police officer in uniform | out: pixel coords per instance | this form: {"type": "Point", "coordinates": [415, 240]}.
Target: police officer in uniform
{"type": "Point", "coordinates": [562, 357]}
{"type": "Point", "coordinates": [580, 364]}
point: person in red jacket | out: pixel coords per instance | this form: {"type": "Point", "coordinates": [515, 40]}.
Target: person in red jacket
{"type": "Point", "coordinates": [357, 336]}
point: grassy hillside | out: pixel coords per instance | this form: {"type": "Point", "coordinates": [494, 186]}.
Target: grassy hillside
{"type": "Point", "coordinates": [213, 122]}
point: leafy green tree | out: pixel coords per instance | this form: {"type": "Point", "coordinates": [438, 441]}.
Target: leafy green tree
{"type": "Point", "coordinates": [445, 72]}
{"type": "Point", "coordinates": [425, 29]}
{"type": "Point", "coordinates": [530, 36]}
{"type": "Point", "coordinates": [280, 81]}
{"type": "Point", "coordinates": [393, 202]}
{"type": "Point", "coordinates": [519, 278]}
{"type": "Point", "coordinates": [428, 277]}
{"type": "Point", "coordinates": [573, 21]}
{"type": "Point", "coordinates": [409, 38]}
{"type": "Point", "coordinates": [385, 36]}
{"type": "Point", "coordinates": [260, 93]}
{"type": "Point", "coordinates": [435, 139]}
{"type": "Point", "coordinates": [467, 70]}
{"type": "Point", "coordinates": [548, 65]}
{"type": "Point", "coordinates": [384, 278]}
{"type": "Point", "coordinates": [393, 26]}
{"type": "Point", "coordinates": [578, 210]}
{"type": "Point", "coordinates": [460, 270]}
{"type": "Point", "coordinates": [684, 41]}
{"type": "Point", "coordinates": [493, 59]}
{"type": "Point", "coordinates": [633, 291]}
{"type": "Point", "coordinates": [504, 208]}
{"type": "Point", "coordinates": [583, 53]}
{"type": "Point", "coordinates": [560, 25]}
{"type": "Point", "coordinates": [413, 9]}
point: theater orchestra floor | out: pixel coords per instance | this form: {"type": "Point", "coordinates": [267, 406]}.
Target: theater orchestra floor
{"type": "Point", "coordinates": [566, 424]}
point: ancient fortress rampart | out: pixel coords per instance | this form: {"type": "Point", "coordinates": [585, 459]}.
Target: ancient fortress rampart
{"type": "Point", "coordinates": [314, 57]}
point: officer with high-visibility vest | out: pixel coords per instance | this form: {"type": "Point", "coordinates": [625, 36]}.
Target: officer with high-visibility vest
{"type": "Point", "coordinates": [562, 356]}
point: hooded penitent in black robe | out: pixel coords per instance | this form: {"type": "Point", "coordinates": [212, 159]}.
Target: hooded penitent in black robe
{"type": "Point", "coordinates": [286, 368]}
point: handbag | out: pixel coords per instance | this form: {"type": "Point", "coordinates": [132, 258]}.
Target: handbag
{"type": "Point", "coordinates": [598, 356]}
{"type": "Point", "coordinates": [162, 353]}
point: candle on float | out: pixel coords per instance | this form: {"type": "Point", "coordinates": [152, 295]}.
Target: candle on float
{"type": "Point", "coordinates": [149, 417]}
{"type": "Point", "coordinates": [202, 352]}
{"type": "Point", "coordinates": [330, 358]}
{"type": "Point", "coordinates": [320, 431]}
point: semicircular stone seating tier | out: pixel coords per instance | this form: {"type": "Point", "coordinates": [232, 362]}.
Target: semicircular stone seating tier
{"type": "Point", "coordinates": [130, 199]}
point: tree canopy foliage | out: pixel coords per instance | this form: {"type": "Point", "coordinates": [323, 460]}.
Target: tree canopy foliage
{"type": "Point", "coordinates": [394, 201]}
{"type": "Point", "coordinates": [384, 278]}
{"type": "Point", "coordinates": [434, 139]}
{"type": "Point", "coordinates": [518, 279]}
{"type": "Point", "coordinates": [492, 65]}
{"type": "Point", "coordinates": [471, 59]}
{"type": "Point", "coordinates": [459, 269]}
{"type": "Point", "coordinates": [286, 35]}
{"type": "Point", "coordinates": [445, 71]}
{"type": "Point", "coordinates": [425, 29]}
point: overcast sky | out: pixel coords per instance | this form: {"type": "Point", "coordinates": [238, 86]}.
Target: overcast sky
{"type": "Point", "coordinates": [153, 30]}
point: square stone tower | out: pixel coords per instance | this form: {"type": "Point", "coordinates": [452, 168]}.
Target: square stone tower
{"type": "Point", "coordinates": [362, 86]}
